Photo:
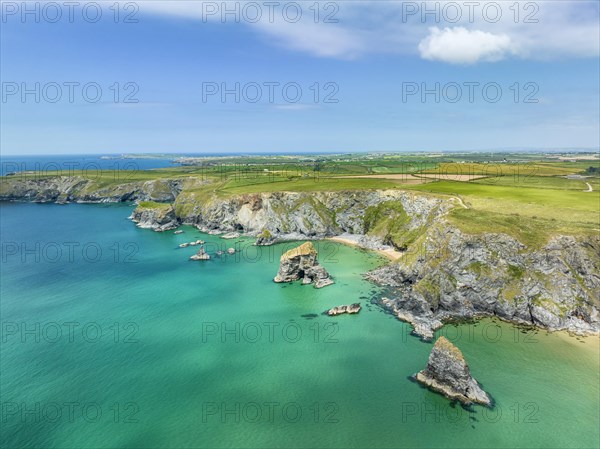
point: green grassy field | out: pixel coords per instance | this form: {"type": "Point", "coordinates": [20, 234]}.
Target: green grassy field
{"type": "Point", "coordinates": [517, 171]}
{"type": "Point", "coordinates": [306, 185]}
{"type": "Point", "coordinates": [153, 205]}
{"type": "Point", "coordinates": [531, 214]}
{"type": "Point", "coordinates": [530, 201]}
{"type": "Point", "coordinates": [541, 182]}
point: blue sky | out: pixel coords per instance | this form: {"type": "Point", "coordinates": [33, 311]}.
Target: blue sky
{"type": "Point", "coordinates": [366, 61]}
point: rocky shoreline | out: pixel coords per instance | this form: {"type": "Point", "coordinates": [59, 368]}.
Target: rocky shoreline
{"type": "Point", "coordinates": [76, 189]}
{"type": "Point", "coordinates": [442, 275]}
{"type": "Point", "coordinates": [554, 288]}
{"type": "Point", "coordinates": [159, 218]}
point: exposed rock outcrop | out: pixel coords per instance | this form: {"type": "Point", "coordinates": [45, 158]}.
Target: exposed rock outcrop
{"type": "Point", "coordinates": [313, 215]}
{"type": "Point", "coordinates": [456, 276]}
{"type": "Point", "coordinates": [155, 216]}
{"type": "Point", "coordinates": [200, 255]}
{"type": "Point", "coordinates": [447, 372]}
{"type": "Point", "coordinates": [270, 217]}
{"type": "Point", "coordinates": [339, 310]}
{"type": "Point", "coordinates": [68, 189]}
{"type": "Point", "coordinates": [265, 238]}
{"type": "Point", "coordinates": [301, 263]}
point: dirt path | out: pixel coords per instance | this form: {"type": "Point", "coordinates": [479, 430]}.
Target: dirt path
{"type": "Point", "coordinates": [460, 201]}
{"type": "Point", "coordinates": [419, 178]}
{"type": "Point", "coordinates": [449, 176]}
{"type": "Point", "coordinates": [590, 188]}
{"type": "Point", "coordinates": [404, 178]}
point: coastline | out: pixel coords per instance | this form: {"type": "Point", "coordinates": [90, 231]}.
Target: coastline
{"type": "Point", "coordinates": [390, 253]}
{"type": "Point", "coordinates": [365, 340]}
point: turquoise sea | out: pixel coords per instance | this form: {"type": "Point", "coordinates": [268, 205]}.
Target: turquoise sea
{"type": "Point", "coordinates": [112, 338]}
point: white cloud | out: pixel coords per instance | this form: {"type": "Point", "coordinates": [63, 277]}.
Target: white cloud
{"type": "Point", "coordinates": [461, 46]}
{"type": "Point", "coordinates": [306, 35]}
{"type": "Point", "coordinates": [324, 40]}
{"type": "Point", "coordinates": [562, 29]}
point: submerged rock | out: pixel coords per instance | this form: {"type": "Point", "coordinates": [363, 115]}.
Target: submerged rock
{"type": "Point", "coordinates": [352, 308]}
{"type": "Point", "coordinates": [447, 372]}
{"type": "Point", "coordinates": [301, 263]}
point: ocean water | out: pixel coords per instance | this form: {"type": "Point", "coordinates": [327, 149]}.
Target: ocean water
{"type": "Point", "coordinates": [70, 164]}
{"type": "Point", "coordinates": [112, 338]}
{"type": "Point", "coordinates": [76, 164]}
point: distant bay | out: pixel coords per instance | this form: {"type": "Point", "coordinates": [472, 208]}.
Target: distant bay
{"type": "Point", "coordinates": [76, 164]}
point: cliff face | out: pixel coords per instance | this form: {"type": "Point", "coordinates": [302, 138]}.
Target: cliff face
{"type": "Point", "coordinates": [78, 189]}
{"type": "Point", "coordinates": [444, 274]}
{"type": "Point", "coordinates": [284, 215]}
{"type": "Point", "coordinates": [457, 276]}
{"type": "Point", "coordinates": [385, 215]}
{"type": "Point", "coordinates": [301, 215]}
{"type": "Point", "coordinates": [158, 217]}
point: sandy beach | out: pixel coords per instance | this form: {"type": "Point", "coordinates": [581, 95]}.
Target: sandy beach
{"type": "Point", "coordinates": [351, 240]}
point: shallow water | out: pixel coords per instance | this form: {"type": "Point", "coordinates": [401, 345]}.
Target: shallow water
{"type": "Point", "coordinates": [112, 338]}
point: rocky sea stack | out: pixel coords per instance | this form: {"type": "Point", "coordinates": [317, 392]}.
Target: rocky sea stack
{"type": "Point", "coordinates": [301, 263]}
{"type": "Point", "coordinates": [447, 372]}
{"type": "Point", "coordinates": [200, 255]}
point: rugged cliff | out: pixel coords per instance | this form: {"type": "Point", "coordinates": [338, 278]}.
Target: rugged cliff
{"type": "Point", "coordinates": [392, 215]}
{"type": "Point", "coordinates": [156, 216]}
{"type": "Point", "coordinates": [453, 275]}
{"type": "Point", "coordinates": [64, 189]}
{"type": "Point", "coordinates": [444, 273]}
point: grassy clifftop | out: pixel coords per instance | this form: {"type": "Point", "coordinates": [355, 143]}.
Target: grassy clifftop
{"type": "Point", "coordinates": [529, 201]}
{"type": "Point", "coordinates": [153, 205]}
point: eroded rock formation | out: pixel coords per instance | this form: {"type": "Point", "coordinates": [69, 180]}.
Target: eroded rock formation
{"type": "Point", "coordinates": [302, 263]}
{"type": "Point", "coordinates": [457, 276]}
{"type": "Point", "coordinates": [447, 372]}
